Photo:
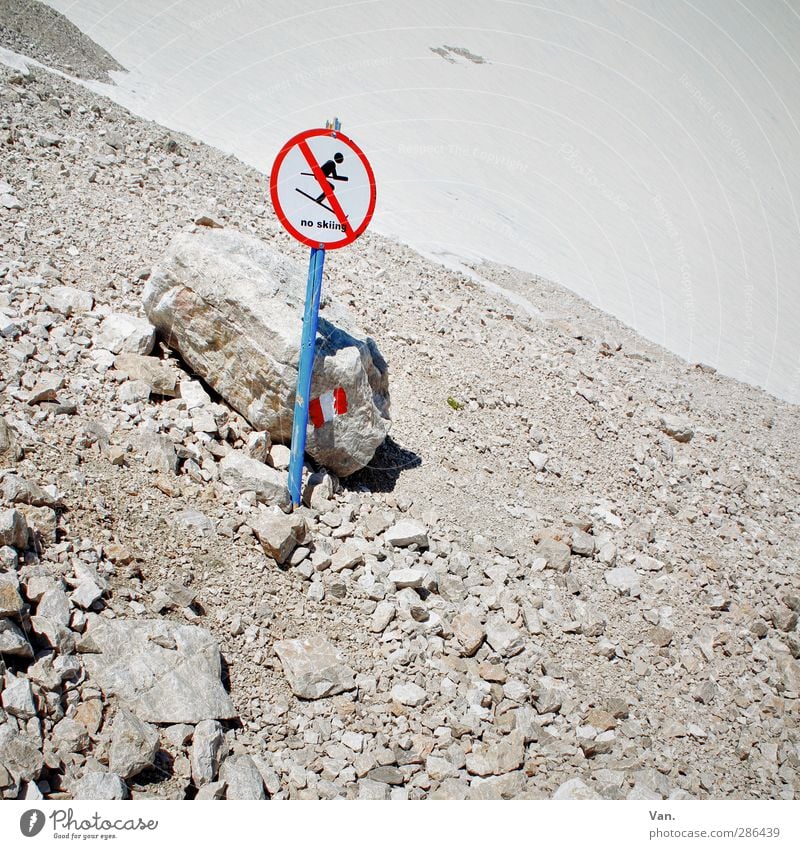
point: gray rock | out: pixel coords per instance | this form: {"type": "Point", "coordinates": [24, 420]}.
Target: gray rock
{"type": "Point", "coordinates": [374, 791]}
{"type": "Point", "coordinates": [497, 758]}
{"type": "Point", "coordinates": [403, 578]}
{"type": "Point", "coordinates": [211, 792]}
{"type": "Point", "coordinates": [409, 694]}
{"type": "Point", "coordinates": [19, 754]}
{"type": "Point", "coordinates": [242, 777]}
{"type": "Point", "coordinates": [554, 552]}
{"type": "Point", "coordinates": [314, 668]}
{"type": "Point", "coordinates": [134, 744]}
{"type": "Point", "coordinates": [222, 298]}
{"type": "Point", "coordinates": [70, 735]}
{"type": "Point", "coordinates": [17, 490]}
{"type": "Point", "coordinates": [13, 528]}
{"type": "Point", "coordinates": [244, 474]}
{"type": "Point", "coordinates": [279, 533]}
{"type": "Point", "coordinates": [624, 580]}
{"type": "Point", "coordinates": [505, 639]}
{"type": "Point", "coordinates": [10, 600]}
{"type": "Point", "coordinates": [158, 450]}
{"type": "Point", "coordinates": [469, 632]}
{"type": "Point", "coordinates": [407, 532]}
{"type": "Point", "coordinates": [162, 672]}
{"type": "Point", "coordinates": [575, 789]}
{"type": "Point", "coordinates": [582, 543]}
{"type": "Point", "coordinates": [46, 388]}
{"type": "Point", "coordinates": [42, 523]}
{"type": "Point", "coordinates": [13, 641]}
{"type": "Point", "coordinates": [679, 429]}
{"type": "Point", "coordinates": [100, 786]}
{"type": "Point", "coordinates": [161, 379]}
{"type": "Point", "coordinates": [382, 616]}
{"type": "Point", "coordinates": [86, 594]}
{"type": "Point", "coordinates": [54, 605]}
{"type": "Point", "coordinates": [17, 696]}
{"type": "Point", "coordinates": [68, 301]}
{"type": "Point", "coordinates": [206, 751]}
{"type": "Point", "coordinates": [10, 450]}
{"type": "Point", "coordinates": [120, 332]}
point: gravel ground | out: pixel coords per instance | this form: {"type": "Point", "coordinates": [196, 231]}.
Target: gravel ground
{"type": "Point", "coordinates": [607, 601]}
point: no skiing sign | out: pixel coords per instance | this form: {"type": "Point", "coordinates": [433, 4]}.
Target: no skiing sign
{"type": "Point", "coordinates": [323, 188]}
{"type": "Point", "coordinates": [323, 191]}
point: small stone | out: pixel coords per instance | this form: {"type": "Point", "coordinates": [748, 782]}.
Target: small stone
{"type": "Point", "coordinates": [624, 580]}
{"type": "Point", "coordinates": [134, 744]}
{"type": "Point", "coordinates": [407, 532]}
{"type": "Point", "coordinates": [46, 388]}
{"type": "Point", "coordinates": [386, 775]}
{"type": "Point", "coordinates": [241, 775]}
{"type": "Point", "coordinates": [409, 694]}
{"type": "Point", "coordinates": [90, 715]}
{"type": "Point", "coordinates": [373, 790]}
{"type": "Point", "coordinates": [660, 636]}
{"type": "Point", "coordinates": [403, 578]}
{"type": "Point", "coordinates": [505, 639]}
{"type": "Point", "coordinates": [100, 786]}
{"type": "Point", "coordinates": [382, 616]}
{"type": "Point", "coordinates": [280, 456]}
{"type": "Point", "coordinates": [120, 332]}
{"type": "Point", "coordinates": [17, 697]}
{"type": "Point", "coordinates": [469, 632]}
{"type": "Point", "coordinates": [575, 789]}
{"type": "Point", "coordinates": [582, 543]}
{"type": "Point", "coordinates": [10, 600]}
{"type": "Point", "coordinates": [347, 557]}
{"type": "Point", "coordinates": [13, 529]}
{"type": "Point", "coordinates": [244, 474]}
{"type": "Point", "coordinates": [71, 736]}
{"type": "Point", "coordinates": [13, 641]}
{"type": "Point", "coordinates": [679, 429]}
{"type": "Point", "coordinates": [86, 594]}
{"type": "Point", "coordinates": [556, 553]}
{"type": "Point", "coordinates": [314, 668]}
{"type": "Point", "coordinates": [496, 758]}
{"type": "Point", "coordinates": [538, 460]}
{"type": "Point", "coordinates": [210, 792]}
{"type": "Point", "coordinates": [68, 301]}
{"type": "Point", "coordinates": [206, 751]}
{"type": "Point", "coordinates": [180, 734]}
{"type": "Point", "coordinates": [54, 605]}
{"type": "Point", "coordinates": [279, 533]}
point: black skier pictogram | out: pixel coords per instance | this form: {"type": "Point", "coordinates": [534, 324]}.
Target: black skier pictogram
{"type": "Point", "coordinates": [330, 173]}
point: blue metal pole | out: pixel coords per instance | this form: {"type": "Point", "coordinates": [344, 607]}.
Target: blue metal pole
{"type": "Point", "coordinates": [301, 399]}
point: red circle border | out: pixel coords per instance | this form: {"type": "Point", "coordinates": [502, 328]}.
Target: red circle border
{"type": "Point", "coordinates": [273, 189]}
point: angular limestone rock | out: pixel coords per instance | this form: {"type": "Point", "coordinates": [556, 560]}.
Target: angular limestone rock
{"type": "Point", "coordinates": [314, 668]}
{"type": "Point", "coordinates": [134, 744]}
{"type": "Point", "coordinates": [232, 307]}
{"type": "Point", "coordinates": [162, 672]}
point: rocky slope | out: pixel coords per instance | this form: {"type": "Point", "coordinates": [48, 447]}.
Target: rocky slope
{"type": "Point", "coordinates": [34, 29]}
{"type": "Point", "coordinates": [571, 571]}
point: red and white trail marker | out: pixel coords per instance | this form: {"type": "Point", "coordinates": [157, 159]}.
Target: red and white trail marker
{"type": "Point", "coordinates": [323, 188]}
{"type": "Point", "coordinates": [329, 405]}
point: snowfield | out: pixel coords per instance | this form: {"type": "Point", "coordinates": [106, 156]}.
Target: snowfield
{"type": "Point", "coordinates": [644, 155]}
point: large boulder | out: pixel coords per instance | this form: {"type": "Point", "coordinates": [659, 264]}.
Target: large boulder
{"type": "Point", "coordinates": [232, 307]}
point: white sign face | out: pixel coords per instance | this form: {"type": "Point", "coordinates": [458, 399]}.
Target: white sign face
{"type": "Point", "coordinates": [323, 189]}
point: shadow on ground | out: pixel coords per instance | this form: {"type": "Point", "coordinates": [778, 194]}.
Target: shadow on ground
{"type": "Point", "coordinates": [385, 468]}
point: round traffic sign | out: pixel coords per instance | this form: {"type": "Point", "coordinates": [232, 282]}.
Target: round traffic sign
{"type": "Point", "coordinates": [323, 188]}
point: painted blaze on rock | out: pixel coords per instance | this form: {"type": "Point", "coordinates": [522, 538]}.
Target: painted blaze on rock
{"type": "Point", "coordinates": [232, 307]}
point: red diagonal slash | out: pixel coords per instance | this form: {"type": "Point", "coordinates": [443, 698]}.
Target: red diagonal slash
{"type": "Point", "coordinates": [329, 194]}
